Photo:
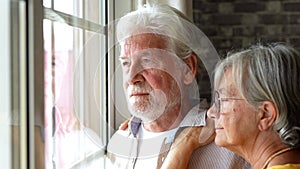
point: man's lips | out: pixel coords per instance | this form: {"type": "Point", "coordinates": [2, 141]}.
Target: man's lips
{"type": "Point", "coordinates": [138, 94]}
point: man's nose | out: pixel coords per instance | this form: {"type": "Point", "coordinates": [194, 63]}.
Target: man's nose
{"type": "Point", "coordinates": [135, 75]}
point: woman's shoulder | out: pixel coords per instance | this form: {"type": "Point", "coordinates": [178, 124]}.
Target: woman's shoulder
{"type": "Point", "coordinates": [285, 166]}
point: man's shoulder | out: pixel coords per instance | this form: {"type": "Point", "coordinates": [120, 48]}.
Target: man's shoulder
{"type": "Point", "coordinates": [120, 142]}
{"type": "Point", "coordinates": [195, 117]}
{"type": "Point", "coordinates": [124, 133]}
{"type": "Point", "coordinates": [119, 136]}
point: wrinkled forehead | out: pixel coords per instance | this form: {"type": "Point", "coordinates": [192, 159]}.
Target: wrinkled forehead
{"type": "Point", "coordinates": [153, 46]}
{"type": "Point", "coordinates": [227, 85]}
{"type": "Point", "coordinates": [139, 42]}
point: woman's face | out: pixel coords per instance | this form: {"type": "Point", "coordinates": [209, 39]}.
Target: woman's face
{"type": "Point", "coordinates": [236, 123]}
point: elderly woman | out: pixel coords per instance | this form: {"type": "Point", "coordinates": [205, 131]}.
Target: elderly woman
{"type": "Point", "coordinates": [256, 106]}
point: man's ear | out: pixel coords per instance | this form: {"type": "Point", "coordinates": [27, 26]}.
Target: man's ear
{"type": "Point", "coordinates": [268, 113]}
{"type": "Point", "coordinates": [190, 73]}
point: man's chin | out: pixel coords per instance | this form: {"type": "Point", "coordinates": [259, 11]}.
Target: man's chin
{"type": "Point", "coordinates": [147, 120]}
{"type": "Point", "coordinates": [147, 113]}
{"type": "Point", "coordinates": [141, 115]}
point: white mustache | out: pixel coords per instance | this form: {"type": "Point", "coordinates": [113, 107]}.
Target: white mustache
{"type": "Point", "coordinates": [133, 89]}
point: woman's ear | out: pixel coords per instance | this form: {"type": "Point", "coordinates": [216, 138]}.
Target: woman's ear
{"type": "Point", "coordinates": [191, 71]}
{"type": "Point", "coordinates": [268, 114]}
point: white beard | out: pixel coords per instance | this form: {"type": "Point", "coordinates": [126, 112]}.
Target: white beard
{"type": "Point", "coordinates": [149, 108]}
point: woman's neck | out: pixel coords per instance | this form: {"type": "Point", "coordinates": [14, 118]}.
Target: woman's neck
{"type": "Point", "coordinates": [265, 152]}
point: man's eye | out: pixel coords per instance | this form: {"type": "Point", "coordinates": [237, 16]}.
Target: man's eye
{"type": "Point", "coordinates": [125, 63]}
{"type": "Point", "coordinates": [147, 60]}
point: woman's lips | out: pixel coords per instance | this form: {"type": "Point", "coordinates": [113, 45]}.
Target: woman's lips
{"type": "Point", "coordinates": [219, 128]}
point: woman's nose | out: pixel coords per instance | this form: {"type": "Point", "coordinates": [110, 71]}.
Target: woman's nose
{"type": "Point", "coordinates": [211, 112]}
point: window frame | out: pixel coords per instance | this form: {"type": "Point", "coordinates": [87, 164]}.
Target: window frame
{"type": "Point", "coordinates": [27, 72]}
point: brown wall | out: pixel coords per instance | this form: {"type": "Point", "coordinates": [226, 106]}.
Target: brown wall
{"type": "Point", "coordinates": [232, 24]}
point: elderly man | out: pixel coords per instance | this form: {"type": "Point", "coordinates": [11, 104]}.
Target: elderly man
{"type": "Point", "coordinates": [160, 52]}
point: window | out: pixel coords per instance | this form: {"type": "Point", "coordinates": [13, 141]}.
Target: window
{"type": "Point", "coordinates": [5, 99]}
{"type": "Point", "coordinates": [75, 76]}
{"type": "Point", "coordinates": [58, 88]}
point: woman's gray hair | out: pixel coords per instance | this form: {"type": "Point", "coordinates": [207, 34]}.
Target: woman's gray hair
{"type": "Point", "coordinates": [269, 73]}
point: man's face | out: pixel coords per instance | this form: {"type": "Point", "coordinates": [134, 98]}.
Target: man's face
{"type": "Point", "coordinates": [151, 76]}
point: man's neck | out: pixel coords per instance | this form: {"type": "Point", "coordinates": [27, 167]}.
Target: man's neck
{"type": "Point", "coordinates": [169, 120]}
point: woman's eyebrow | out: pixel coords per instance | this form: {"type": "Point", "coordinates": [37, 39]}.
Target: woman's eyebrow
{"type": "Point", "coordinates": [227, 92]}
{"type": "Point", "coordinates": [222, 91]}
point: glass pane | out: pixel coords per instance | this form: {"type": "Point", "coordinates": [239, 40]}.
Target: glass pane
{"type": "Point", "coordinates": [75, 95]}
{"type": "Point", "coordinates": [73, 121]}
{"type": "Point", "coordinates": [47, 3]}
{"type": "Point", "coordinates": [72, 7]}
{"type": "Point", "coordinates": [5, 86]}
{"type": "Point", "coordinates": [91, 10]}
{"type": "Point", "coordinates": [91, 14]}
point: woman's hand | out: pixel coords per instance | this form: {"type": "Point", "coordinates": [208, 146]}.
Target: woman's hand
{"type": "Point", "coordinates": [186, 142]}
{"type": "Point", "coordinates": [124, 125]}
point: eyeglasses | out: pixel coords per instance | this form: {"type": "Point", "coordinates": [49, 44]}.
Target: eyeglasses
{"type": "Point", "coordinates": [217, 100]}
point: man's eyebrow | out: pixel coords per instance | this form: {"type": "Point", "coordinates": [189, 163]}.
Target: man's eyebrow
{"type": "Point", "coordinates": [142, 53]}
{"type": "Point", "coordinates": [122, 57]}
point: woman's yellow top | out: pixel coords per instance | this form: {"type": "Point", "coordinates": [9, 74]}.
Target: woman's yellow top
{"type": "Point", "coordinates": [285, 166]}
